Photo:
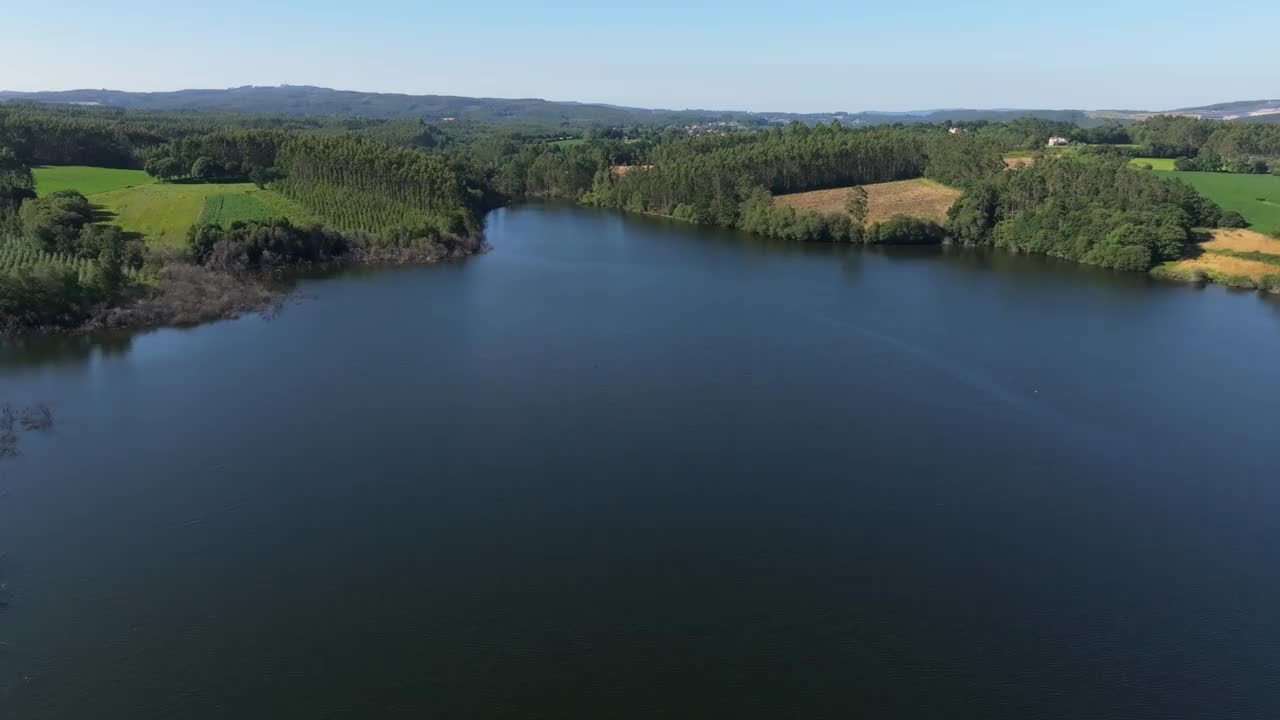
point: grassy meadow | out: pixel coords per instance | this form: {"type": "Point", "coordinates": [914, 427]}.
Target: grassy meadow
{"type": "Point", "coordinates": [922, 198]}
{"type": "Point", "coordinates": [162, 213]}
{"type": "Point", "coordinates": [1161, 164]}
{"type": "Point", "coordinates": [86, 180]}
{"type": "Point", "coordinates": [1256, 197]}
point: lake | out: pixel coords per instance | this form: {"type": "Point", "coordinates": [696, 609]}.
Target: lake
{"type": "Point", "coordinates": [626, 468]}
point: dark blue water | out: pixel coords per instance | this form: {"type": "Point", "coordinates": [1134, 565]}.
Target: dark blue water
{"type": "Point", "coordinates": [619, 468]}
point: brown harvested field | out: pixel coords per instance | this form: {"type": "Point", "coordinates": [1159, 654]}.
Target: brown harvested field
{"type": "Point", "coordinates": [1242, 241]}
{"type": "Point", "coordinates": [1016, 161]}
{"type": "Point", "coordinates": [921, 198]}
{"type": "Point", "coordinates": [1225, 264]}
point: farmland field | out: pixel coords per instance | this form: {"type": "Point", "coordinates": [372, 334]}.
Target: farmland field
{"type": "Point", "coordinates": [1233, 257]}
{"type": "Point", "coordinates": [1164, 164]}
{"type": "Point", "coordinates": [1256, 197]}
{"type": "Point", "coordinates": [161, 213]}
{"type": "Point", "coordinates": [260, 205]}
{"type": "Point", "coordinates": [921, 198]}
{"type": "Point", "coordinates": [86, 180]}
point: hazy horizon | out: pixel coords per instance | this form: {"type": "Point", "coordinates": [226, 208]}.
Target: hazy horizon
{"type": "Point", "coordinates": [581, 101]}
{"type": "Point", "coordinates": [913, 55]}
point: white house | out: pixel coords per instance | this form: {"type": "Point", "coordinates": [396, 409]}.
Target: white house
{"type": "Point", "coordinates": [1055, 141]}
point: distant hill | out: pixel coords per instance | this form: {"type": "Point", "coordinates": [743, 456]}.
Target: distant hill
{"type": "Point", "coordinates": [1250, 110]}
{"type": "Point", "coordinates": [306, 100]}
{"type": "Point", "coordinates": [1268, 110]}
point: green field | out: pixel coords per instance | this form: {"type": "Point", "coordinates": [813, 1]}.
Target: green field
{"type": "Point", "coordinates": [87, 180]}
{"type": "Point", "coordinates": [1163, 164]}
{"type": "Point", "coordinates": [253, 205]}
{"type": "Point", "coordinates": [1256, 197]}
{"type": "Point", "coordinates": [162, 213]}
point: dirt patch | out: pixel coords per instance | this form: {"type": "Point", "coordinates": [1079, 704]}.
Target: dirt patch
{"type": "Point", "coordinates": [1017, 161]}
{"type": "Point", "coordinates": [1242, 241]}
{"type": "Point", "coordinates": [624, 169]}
{"type": "Point", "coordinates": [919, 198]}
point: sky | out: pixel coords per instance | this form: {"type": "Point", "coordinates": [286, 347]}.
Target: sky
{"type": "Point", "coordinates": [741, 55]}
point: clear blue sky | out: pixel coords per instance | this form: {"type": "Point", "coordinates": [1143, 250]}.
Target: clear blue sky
{"type": "Point", "coordinates": [749, 54]}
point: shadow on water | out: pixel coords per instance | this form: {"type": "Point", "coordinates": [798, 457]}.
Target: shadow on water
{"type": "Point", "coordinates": [43, 350]}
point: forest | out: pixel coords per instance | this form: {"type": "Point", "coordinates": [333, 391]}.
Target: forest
{"type": "Point", "coordinates": [1195, 145]}
{"type": "Point", "coordinates": [405, 189]}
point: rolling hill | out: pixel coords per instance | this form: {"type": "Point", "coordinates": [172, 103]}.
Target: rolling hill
{"type": "Point", "coordinates": [307, 100]}
{"type": "Point", "coordinates": [302, 100]}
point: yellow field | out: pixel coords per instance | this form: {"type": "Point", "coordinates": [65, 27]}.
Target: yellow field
{"type": "Point", "coordinates": [1224, 265]}
{"type": "Point", "coordinates": [1220, 265]}
{"type": "Point", "coordinates": [920, 198]}
{"type": "Point", "coordinates": [1242, 241]}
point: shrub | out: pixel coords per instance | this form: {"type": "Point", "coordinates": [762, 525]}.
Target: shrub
{"type": "Point", "coordinates": [53, 223]}
{"type": "Point", "coordinates": [687, 212]}
{"type": "Point", "coordinates": [905, 230]}
{"type": "Point", "coordinates": [1232, 219]}
{"type": "Point", "coordinates": [856, 204]}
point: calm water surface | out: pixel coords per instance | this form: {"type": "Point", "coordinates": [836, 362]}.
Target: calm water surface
{"type": "Point", "coordinates": [621, 468]}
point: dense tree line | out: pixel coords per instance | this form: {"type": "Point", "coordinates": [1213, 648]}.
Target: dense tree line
{"type": "Point", "coordinates": [1092, 210]}
{"type": "Point", "coordinates": [72, 264]}
{"type": "Point", "coordinates": [16, 186]}
{"type": "Point", "coordinates": [1110, 133]}
{"type": "Point", "coordinates": [62, 135]}
{"type": "Point", "coordinates": [222, 155]}
{"type": "Point", "coordinates": [1023, 133]}
{"type": "Point", "coordinates": [1211, 145]}
{"type": "Point", "coordinates": [252, 246]}
{"type": "Point", "coordinates": [377, 188]}
{"type": "Point", "coordinates": [707, 179]}
{"type": "Point", "coordinates": [729, 179]}
{"type": "Point", "coordinates": [354, 184]}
